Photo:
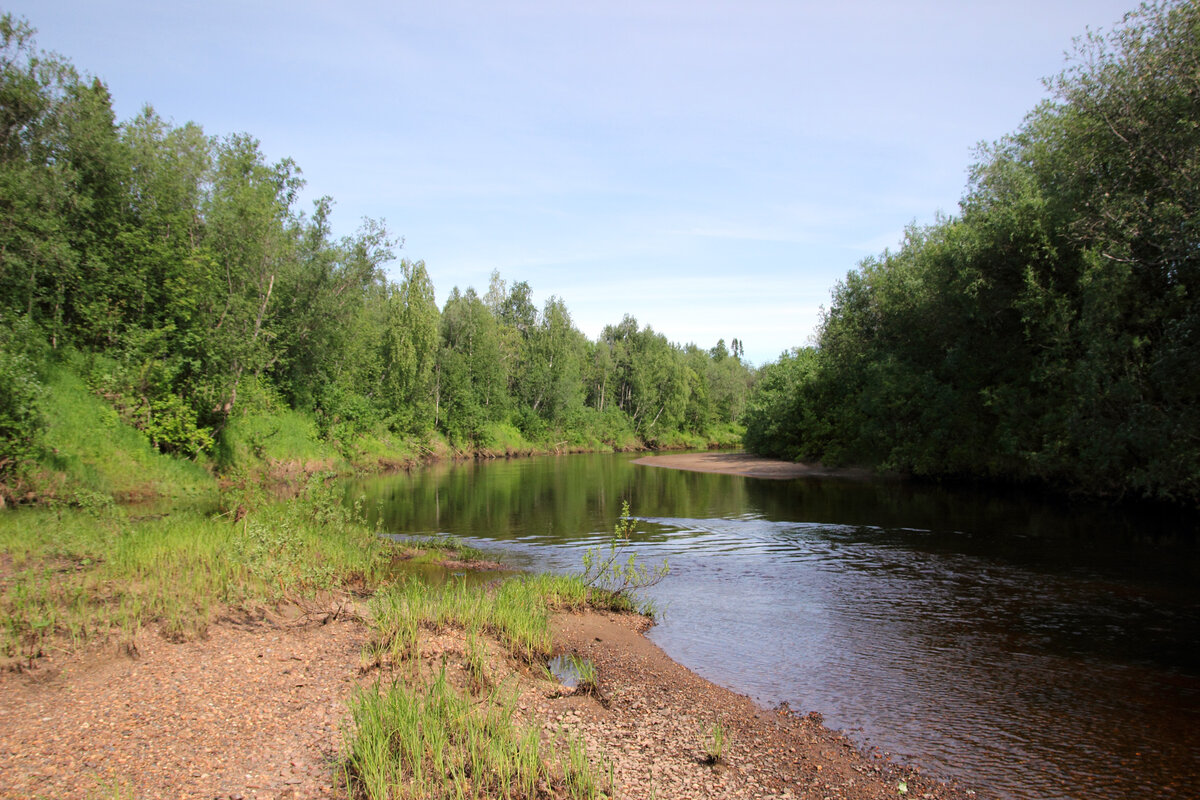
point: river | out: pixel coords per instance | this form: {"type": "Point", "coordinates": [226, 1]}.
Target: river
{"type": "Point", "coordinates": [1027, 648]}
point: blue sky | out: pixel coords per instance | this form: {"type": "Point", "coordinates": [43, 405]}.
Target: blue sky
{"type": "Point", "coordinates": [712, 168]}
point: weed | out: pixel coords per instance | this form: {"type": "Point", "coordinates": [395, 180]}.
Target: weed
{"type": "Point", "coordinates": [714, 743]}
{"type": "Point", "coordinates": [443, 544]}
{"type": "Point", "coordinates": [517, 613]}
{"type": "Point", "coordinates": [95, 571]}
{"type": "Point", "coordinates": [477, 672]}
{"type": "Point", "coordinates": [115, 789]}
{"type": "Point", "coordinates": [31, 617]}
{"type": "Point", "coordinates": [588, 676]}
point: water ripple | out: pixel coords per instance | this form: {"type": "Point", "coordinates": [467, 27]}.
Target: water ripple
{"type": "Point", "coordinates": [1026, 653]}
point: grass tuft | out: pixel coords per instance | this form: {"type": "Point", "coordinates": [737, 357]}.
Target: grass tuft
{"type": "Point", "coordinates": [714, 743]}
{"type": "Point", "coordinates": [433, 742]}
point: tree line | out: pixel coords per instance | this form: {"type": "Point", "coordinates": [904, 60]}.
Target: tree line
{"type": "Point", "coordinates": [1051, 330]}
{"type": "Point", "coordinates": [177, 269]}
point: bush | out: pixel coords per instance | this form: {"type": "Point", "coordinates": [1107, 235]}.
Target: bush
{"type": "Point", "coordinates": [21, 397]}
{"type": "Point", "coordinates": [144, 392]}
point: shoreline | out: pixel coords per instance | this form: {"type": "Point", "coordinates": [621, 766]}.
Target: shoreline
{"type": "Point", "coordinates": [751, 466]}
{"type": "Point", "coordinates": [255, 704]}
{"type": "Point", "coordinates": [256, 709]}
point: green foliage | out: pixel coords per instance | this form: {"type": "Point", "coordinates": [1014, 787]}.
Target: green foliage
{"type": "Point", "coordinates": [143, 397]}
{"type": "Point", "coordinates": [504, 438]}
{"type": "Point", "coordinates": [22, 421]}
{"type": "Point", "coordinates": [86, 448]}
{"type": "Point", "coordinates": [410, 349]}
{"type": "Point", "coordinates": [583, 671]}
{"type": "Point", "coordinates": [648, 381]}
{"type": "Point", "coordinates": [179, 265]}
{"type": "Point", "coordinates": [97, 571]}
{"type": "Point", "coordinates": [265, 429]}
{"type": "Point", "coordinates": [1050, 331]}
{"type": "Point", "coordinates": [517, 614]}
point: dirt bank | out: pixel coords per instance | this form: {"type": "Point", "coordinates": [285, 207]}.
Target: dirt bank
{"type": "Point", "coordinates": [255, 711]}
{"type": "Point", "coordinates": [750, 466]}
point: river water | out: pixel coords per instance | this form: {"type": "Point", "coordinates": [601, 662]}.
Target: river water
{"type": "Point", "coordinates": [1023, 647]}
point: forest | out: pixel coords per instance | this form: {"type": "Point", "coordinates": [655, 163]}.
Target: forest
{"type": "Point", "coordinates": [1049, 332]}
{"type": "Point", "coordinates": [172, 273]}
{"type": "Point", "coordinates": [1046, 334]}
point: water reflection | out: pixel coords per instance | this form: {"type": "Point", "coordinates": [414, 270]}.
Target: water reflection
{"type": "Point", "coordinates": [1042, 649]}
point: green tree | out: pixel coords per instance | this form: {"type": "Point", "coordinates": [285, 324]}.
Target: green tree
{"type": "Point", "coordinates": [472, 386]}
{"type": "Point", "coordinates": [650, 379]}
{"type": "Point", "coordinates": [247, 219]}
{"type": "Point", "coordinates": [554, 358]}
{"type": "Point", "coordinates": [38, 262]}
{"type": "Point", "coordinates": [410, 348]}
{"type": "Point", "coordinates": [1050, 331]}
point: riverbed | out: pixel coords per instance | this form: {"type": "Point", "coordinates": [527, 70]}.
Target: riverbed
{"type": "Point", "coordinates": [1025, 646]}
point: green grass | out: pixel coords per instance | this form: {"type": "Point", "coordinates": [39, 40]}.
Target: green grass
{"type": "Point", "coordinates": [505, 438]}
{"type": "Point", "coordinates": [434, 742]}
{"type": "Point", "coordinates": [714, 743]}
{"type": "Point", "coordinates": [88, 453]}
{"type": "Point", "coordinates": [370, 450]}
{"type": "Point", "coordinates": [70, 575]}
{"type": "Point", "coordinates": [263, 430]}
{"type": "Point", "coordinates": [73, 575]}
{"type": "Point", "coordinates": [516, 613]}
{"type": "Point", "coordinates": [98, 571]}
{"type": "Point", "coordinates": [438, 546]}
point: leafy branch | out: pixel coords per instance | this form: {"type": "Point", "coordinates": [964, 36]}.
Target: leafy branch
{"type": "Point", "coordinates": [615, 571]}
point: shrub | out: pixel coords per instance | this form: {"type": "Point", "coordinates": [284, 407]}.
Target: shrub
{"type": "Point", "coordinates": [21, 397]}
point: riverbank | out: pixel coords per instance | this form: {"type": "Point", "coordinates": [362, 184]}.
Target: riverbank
{"type": "Point", "coordinates": [182, 655]}
{"type": "Point", "coordinates": [750, 466]}
{"type": "Point", "coordinates": [257, 708]}
{"type": "Point", "coordinates": [88, 453]}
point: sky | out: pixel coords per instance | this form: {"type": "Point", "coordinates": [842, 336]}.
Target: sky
{"type": "Point", "coordinates": [712, 168]}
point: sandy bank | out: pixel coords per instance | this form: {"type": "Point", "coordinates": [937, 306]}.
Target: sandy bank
{"type": "Point", "coordinates": [255, 710]}
{"type": "Point", "coordinates": [750, 466]}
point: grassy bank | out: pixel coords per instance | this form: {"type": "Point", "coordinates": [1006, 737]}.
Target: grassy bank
{"type": "Point", "coordinates": [74, 578]}
{"type": "Point", "coordinates": [90, 452]}
{"type": "Point", "coordinates": [76, 575]}
{"type": "Point", "coordinates": [115, 540]}
{"type": "Point", "coordinates": [100, 574]}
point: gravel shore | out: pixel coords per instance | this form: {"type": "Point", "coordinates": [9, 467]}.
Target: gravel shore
{"type": "Point", "coordinates": [256, 709]}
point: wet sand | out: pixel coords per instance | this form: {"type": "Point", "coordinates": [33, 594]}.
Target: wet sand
{"type": "Point", "coordinates": [750, 466]}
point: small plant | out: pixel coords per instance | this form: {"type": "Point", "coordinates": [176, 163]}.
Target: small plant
{"type": "Point", "coordinates": [579, 776]}
{"type": "Point", "coordinates": [477, 671]}
{"type": "Point", "coordinates": [615, 570]}
{"type": "Point", "coordinates": [115, 789]}
{"type": "Point", "coordinates": [589, 678]}
{"type": "Point", "coordinates": [577, 672]}
{"type": "Point", "coordinates": [714, 743]}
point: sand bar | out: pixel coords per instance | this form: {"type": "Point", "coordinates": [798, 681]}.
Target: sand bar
{"type": "Point", "coordinates": [750, 466]}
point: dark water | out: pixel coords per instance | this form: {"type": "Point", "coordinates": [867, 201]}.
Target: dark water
{"type": "Point", "coordinates": [1026, 648]}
